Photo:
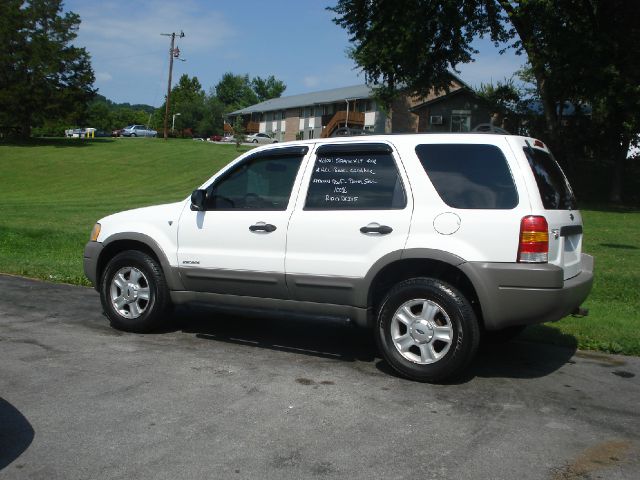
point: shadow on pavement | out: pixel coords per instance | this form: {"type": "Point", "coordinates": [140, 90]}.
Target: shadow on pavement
{"type": "Point", "coordinates": [312, 337]}
{"type": "Point", "coordinates": [16, 433]}
{"type": "Point", "coordinates": [515, 359]}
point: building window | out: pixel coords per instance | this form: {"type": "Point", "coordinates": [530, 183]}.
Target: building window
{"type": "Point", "coordinates": [460, 123]}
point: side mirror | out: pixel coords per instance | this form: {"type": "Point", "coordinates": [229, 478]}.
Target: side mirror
{"type": "Point", "coordinates": [198, 198]}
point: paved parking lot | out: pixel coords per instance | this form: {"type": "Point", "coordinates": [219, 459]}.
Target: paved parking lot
{"type": "Point", "coordinates": [228, 397]}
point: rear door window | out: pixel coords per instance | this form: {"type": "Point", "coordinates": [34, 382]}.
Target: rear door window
{"type": "Point", "coordinates": [555, 191]}
{"type": "Point", "coordinates": [355, 177]}
{"type": "Point", "coordinates": [470, 176]}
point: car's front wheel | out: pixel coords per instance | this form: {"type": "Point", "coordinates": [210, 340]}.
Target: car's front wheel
{"type": "Point", "coordinates": [427, 330]}
{"type": "Point", "coordinates": [134, 292]}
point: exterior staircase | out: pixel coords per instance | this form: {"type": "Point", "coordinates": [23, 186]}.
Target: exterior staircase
{"type": "Point", "coordinates": [355, 119]}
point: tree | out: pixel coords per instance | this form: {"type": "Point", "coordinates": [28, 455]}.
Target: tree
{"type": "Point", "coordinates": [235, 91]}
{"type": "Point", "coordinates": [42, 75]}
{"type": "Point", "coordinates": [578, 52]}
{"type": "Point", "coordinates": [410, 46]}
{"type": "Point", "coordinates": [238, 132]}
{"type": "Point", "coordinates": [267, 88]}
{"type": "Point", "coordinates": [239, 91]}
{"type": "Point", "coordinates": [187, 99]}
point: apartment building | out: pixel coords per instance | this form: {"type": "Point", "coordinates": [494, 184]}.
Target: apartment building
{"type": "Point", "coordinates": [322, 114]}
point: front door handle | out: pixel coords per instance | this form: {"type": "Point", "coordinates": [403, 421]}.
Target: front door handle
{"type": "Point", "coordinates": [376, 228]}
{"type": "Point", "coordinates": [262, 227]}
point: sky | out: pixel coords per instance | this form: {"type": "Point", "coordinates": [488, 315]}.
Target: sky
{"type": "Point", "coordinates": [294, 40]}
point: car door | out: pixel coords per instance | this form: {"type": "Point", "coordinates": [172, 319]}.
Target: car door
{"type": "Point", "coordinates": [354, 208]}
{"type": "Point", "coordinates": [237, 245]}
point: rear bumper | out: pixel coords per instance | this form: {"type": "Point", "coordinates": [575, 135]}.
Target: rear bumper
{"type": "Point", "coordinates": [522, 294]}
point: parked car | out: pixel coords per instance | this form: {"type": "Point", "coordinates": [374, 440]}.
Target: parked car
{"type": "Point", "coordinates": [215, 138]}
{"type": "Point", "coordinates": [428, 240]}
{"type": "Point", "coordinates": [489, 128]}
{"type": "Point", "coordinates": [260, 138]}
{"type": "Point", "coordinates": [347, 132]}
{"type": "Point", "coordinates": [138, 131]}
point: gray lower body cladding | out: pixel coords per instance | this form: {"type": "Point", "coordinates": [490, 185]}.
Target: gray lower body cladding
{"type": "Point", "coordinates": [521, 294]}
{"type": "Point", "coordinates": [509, 293]}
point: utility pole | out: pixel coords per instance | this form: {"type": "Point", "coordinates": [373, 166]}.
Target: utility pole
{"type": "Point", "coordinates": [173, 52]}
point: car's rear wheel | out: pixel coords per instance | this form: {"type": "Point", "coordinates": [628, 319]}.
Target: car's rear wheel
{"type": "Point", "coordinates": [134, 292]}
{"type": "Point", "coordinates": [427, 330]}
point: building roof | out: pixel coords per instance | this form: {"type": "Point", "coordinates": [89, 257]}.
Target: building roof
{"type": "Point", "coordinates": [444, 96]}
{"type": "Point", "coordinates": [355, 92]}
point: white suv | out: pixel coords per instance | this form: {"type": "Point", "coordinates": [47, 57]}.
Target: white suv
{"type": "Point", "coordinates": [428, 239]}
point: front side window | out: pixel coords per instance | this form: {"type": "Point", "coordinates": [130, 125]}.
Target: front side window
{"type": "Point", "coordinates": [355, 180]}
{"type": "Point", "coordinates": [259, 183]}
{"type": "Point", "coordinates": [473, 176]}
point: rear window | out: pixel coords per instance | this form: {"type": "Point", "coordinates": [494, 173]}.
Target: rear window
{"type": "Point", "coordinates": [555, 191]}
{"type": "Point", "coordinates": [472, 176]}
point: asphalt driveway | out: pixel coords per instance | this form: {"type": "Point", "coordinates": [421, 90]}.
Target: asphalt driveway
{"type": "Point", "coordinates": [232, 397]}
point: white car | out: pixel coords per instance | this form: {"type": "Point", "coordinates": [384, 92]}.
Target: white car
{"type": "Point", "coordinates": [426, 240]}
{"type": "Point", "coordinates": [260, 138]}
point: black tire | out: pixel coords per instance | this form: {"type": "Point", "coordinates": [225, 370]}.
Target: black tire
{"type": "Point", "coordinates": [144, 278]}
{"type": "Point", "coordinates": [255, 141]}
{"type": "Point", "coordinates": [134, 135]}
{"type": "Point", "coordinates": [454, 314]}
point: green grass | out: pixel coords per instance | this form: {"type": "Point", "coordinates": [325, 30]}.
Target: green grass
{"type": "Point", "coordinates": [613, 323]}
{"type": "Point", "coordinates": [52, 192]}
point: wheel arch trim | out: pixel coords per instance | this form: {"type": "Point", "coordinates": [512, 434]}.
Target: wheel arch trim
{"type": "Point", "coordinates": [398, 255]}
{"type": "Point", "coordinates": [170, 272]}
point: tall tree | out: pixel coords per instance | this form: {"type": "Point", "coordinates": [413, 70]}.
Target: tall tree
{"type": "Point", "coordinates": [410, 46]}
{"type": "Point", "coordinates": [42, 75]}
{"type": "Point", "coordinates": [235, 91]}
{"type": "Point", "coordinates": [239, 91]}
{"type": "Point", "coordinates": [578, 51]}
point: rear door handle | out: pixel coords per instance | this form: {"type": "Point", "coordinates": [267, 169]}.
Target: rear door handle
{"type": "Point", "coordinates": [263, 227]}
{"type": "Point", "coordinates": [376, 228]}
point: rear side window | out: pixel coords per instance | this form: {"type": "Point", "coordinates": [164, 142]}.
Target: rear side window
{"type": "Point", "coordinates": [349, 179]}
{"type": "Point", "coordinates": [555, 191]}
{"type": "Point", "coordinates": [472, 176]}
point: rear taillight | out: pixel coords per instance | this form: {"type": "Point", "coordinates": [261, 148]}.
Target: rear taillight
{"type": "Point", "coordinates": [534, 240]}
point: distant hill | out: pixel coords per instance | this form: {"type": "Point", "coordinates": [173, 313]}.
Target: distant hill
{"type": "Point", "coordinates": [114, 106]}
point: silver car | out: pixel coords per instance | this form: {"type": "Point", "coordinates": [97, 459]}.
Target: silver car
{"type": "Point", "coordinates": [260, 138]}
{"type": "Point", "coordinates": [138, 131]}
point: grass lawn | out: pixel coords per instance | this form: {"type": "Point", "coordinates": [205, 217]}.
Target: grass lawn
{"type": "Point", "coordinates": [52, 192]}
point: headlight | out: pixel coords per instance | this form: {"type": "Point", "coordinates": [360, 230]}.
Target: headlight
{"type": "Point", "coordinates": [95, 232]}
